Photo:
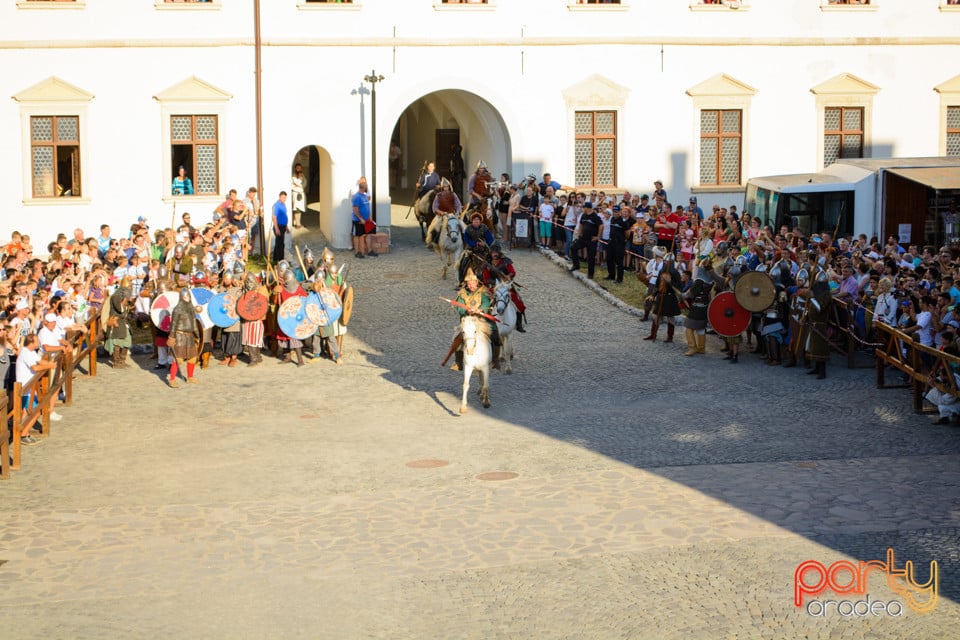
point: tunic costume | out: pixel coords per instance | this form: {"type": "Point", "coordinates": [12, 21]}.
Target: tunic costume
{"type": "Point", "coordinates": [817, 346]}
{"type": "Point", "coordinates": [118, 337]}
{"type": "Point", "coordinates": [285, 340]}
{"type": "Point", "coordinates": [230, 339]}
{"type": "Point", "coordinates": [184, 331]}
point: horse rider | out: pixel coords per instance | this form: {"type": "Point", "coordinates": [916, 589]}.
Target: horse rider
{"type": "Point", "coordinates": [477, 185]}
{"type": "Point", "coordinates": [477, 232]}
{"type": "Point", "coordinates": [446, 201]}
{"type": "Point", "coordinates": [502, 267]}
{"type": "Point", "coordinates": [430, 181]}
{"type": "Point", "coordinates": [476, 300]}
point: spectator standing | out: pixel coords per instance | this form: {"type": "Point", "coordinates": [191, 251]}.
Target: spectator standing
{"type": "Point", "coordinates": [298, 183]}
{"type": "Point", "coordinates": [361, 216]}
{"type": "Point", "coordinates": [280, 222]}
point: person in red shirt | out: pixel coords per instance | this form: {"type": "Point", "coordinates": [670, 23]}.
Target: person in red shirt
{"type": "Point", "coordinates": [666, 227]}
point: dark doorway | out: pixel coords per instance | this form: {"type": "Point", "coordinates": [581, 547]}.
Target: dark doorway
{"type": "Point", "coordinates": [449, 155]}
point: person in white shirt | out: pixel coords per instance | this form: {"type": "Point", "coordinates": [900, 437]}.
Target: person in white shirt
{"type": "Point", "coordinates": [30, 362]}
{"type": "Point", "coordinates": [885, 309]}
{"type": "Point", "coordinates": [546, 222]}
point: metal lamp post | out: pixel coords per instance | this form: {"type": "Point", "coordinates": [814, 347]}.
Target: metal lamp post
{"type": "Point", "coordinates": [373, 79]}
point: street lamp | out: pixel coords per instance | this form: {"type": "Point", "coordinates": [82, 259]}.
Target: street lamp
{"type": "Point", "coordinates": [373, 79]}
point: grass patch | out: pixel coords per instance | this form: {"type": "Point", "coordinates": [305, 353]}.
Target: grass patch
{"type": "Point", "coordinates": [631, 291]}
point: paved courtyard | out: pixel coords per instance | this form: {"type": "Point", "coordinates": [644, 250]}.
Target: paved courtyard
{"type": "Point", "coordinates": [645, 495]}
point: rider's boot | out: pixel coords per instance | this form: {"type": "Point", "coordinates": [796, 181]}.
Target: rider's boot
{"type": "Point", "coordinates": [520, 320]}
{"type": "Point", "coordinates": [496, 356]}
{"type": "Point", "coordinates": [457, 361]}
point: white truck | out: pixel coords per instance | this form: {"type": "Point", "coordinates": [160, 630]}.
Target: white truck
{"type": "Point", "coordinates": [912, 199]}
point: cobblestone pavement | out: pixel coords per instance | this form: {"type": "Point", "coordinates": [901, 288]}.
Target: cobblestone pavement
{"type": "Point", "coordinates": [655, 496]}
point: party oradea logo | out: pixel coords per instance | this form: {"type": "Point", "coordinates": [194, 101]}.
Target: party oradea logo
{"type": "Point", "coordinates": [846, 578]}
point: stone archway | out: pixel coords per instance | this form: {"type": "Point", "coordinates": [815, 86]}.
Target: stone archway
{"type": "Point", "coordinates": [318, 170]}
{"type": "Point", "coordinates": [428, 125]}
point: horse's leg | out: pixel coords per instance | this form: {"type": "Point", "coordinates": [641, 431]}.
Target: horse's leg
{"type": "Point", "coordinates": [467, 372]}
{"type": "Point", "coordinates": [443, 266]}
{"type": "Point", "coordinates": [484, 386]}
{"type": "Point", "coordinates": [506, 351]}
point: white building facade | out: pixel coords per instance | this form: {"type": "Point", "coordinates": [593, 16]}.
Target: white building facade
{"type": "Point", "coordinates": [108, 97]}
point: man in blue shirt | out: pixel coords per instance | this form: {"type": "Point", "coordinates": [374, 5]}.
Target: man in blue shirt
{"type": "Point", "coordinates": [693, 208]}
{"type": "Point", "coordinates": [361, 216]}
{"type": "Point", "coordinates": [280, 222]}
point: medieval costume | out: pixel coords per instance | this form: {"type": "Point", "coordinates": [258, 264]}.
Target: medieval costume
{"type": "Point", "coordinates": [184, 338]}
{"type": "Point", "coordinates": [501, 267]}
{"type": "Point", "coordinates": [665, 301]}
{"type": "Point", "coordinates": [698, 300]}
{"type": "Point", "coordinates": [446, 201]}
{"type": "Point", "coordinates": [818, 313]}
{"type": "Point", "coordinates": [772, 327]}
{"type": "Point", "coordinates": [475, 300]}
{"type": "Point", "coordinates": [252, 330]}
{"type": "Point", "coordinates": [117, 332]}
{"type": "Point", "coordinates": [180, 266]}
{"type": "Point", "coordinates": [292, 345]}
{"type": "Point", "coordinates": [336, 330]}
{"type": "Point", "coordinates": [230, 339]}
{"type": "Point", "coordinates": [797, 297]}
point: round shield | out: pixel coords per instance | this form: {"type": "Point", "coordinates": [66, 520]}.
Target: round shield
{"type": "Point", "coordinates": [293, 320]}
{"type": "Point", "coordinates": [331, 301]}
{"type": "Point", "coordinates": [222, 309]}
{"type": "Point", "coordinates": [162, 309]}
{"type": "Point", "coordinates": [252, 306]}
{"type": "Point", "coordinates": [755, 291]}
{"type": "Point", "coordinates": [201, 296]}
{"type": "Point", "coordinates": [347, 306]}
{"type": "Point", "coordinates": [726, 316]}
{"type": "Point", "coordinates": [316, 311]}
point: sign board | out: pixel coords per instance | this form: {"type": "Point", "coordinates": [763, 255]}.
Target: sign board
{"type": "Point", "coordinates": [904, 232]}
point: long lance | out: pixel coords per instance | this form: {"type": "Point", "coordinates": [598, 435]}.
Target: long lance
{"type": "Point", "coordinates": [468, 308]}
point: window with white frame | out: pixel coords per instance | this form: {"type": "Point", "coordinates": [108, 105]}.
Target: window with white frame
{"type": "Point", "coordinates": [721, 145]}
{"type": "Point", "coordinates": [55, 156]}
{"type": "Point", "coordinates": [51, 4]}
{"type": "Point", "coordinates": [193, 146]}
{"type": "Point", "coordinates": [595, 148]}
{"type": "Point", "coordinates": [844, 106]}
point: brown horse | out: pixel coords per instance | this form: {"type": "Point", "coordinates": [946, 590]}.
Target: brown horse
{"type": "Point", "coordinates": [423, 209]}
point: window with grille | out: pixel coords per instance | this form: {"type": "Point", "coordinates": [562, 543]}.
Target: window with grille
{"type": "Point", "coordinates": [721, 137]}
{"type": "Point", "coordinates": [55, 156]}
{"type": "Point", "coordinates": [842, 133]}
{"type": "Point", "coordinates": [953, 131]}
{"type": "Point", "coordinates": [193, 141]}
{"type": "Point", "coordinates": [595, 148]}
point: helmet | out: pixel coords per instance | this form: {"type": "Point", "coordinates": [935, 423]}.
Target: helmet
{"type": "Point", "coordinates": [282, 266]}
{"type": "Point", "coordinates": [307, 255]}
{"type": "Point", "coordinates": [495, 248]}
{"type": "Point", "coordinates": [470, 275]}
{"type": "Point", "coordinates": [803, 277]}
{"type": "Point", "coordinates": [333, 270]}
{"type": "Point", "coordinates": [721, 248]}
{"type": "Point", "coordinates": [185, 295]}
{"type": "Point", "coordinates": [445, 183]}
{"type": "Point", "coordinates": [481, 165]}
{"type": "Point", "coordinates": [162, 272]}
{"type": "Point", "coordinates": [327, 255]}
{"type": "Point", "coordinates": [178, 249]}
{"type": "Point", "coordinates": [238, 268]}
{"type": "Point", "coordinates": [227, 276]}
{"type": "Point", "coordinates": [290, 281]}
{"type": "Point", "coordinates": [250, 282]}
{"type": "Point", "coordinates": [762, 268]}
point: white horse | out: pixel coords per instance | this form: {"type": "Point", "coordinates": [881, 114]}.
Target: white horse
{"type": "Point", "coordinates": [477, 354]}
{"type": "Point", "coordinates": [450, 244]}
{"type": "Point", "coordinates": [506, 312]}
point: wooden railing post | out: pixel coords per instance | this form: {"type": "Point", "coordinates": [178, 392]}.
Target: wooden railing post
{"type": "Point", "coordinates": [17, 422]}
{"type": "Point", "coordinates": [917, 387]}
{"type": "Point", "coordinates": [4, 438]}
{"type": "Point", "coordinates": [68, 380]}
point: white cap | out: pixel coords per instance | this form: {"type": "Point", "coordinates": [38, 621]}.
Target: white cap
{"type": "Point", "coordinates": [50, 317]}
{"type": "Point", "coordinates": [22, 304]}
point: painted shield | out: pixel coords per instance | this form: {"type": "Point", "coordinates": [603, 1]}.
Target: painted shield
{"type": "Point", "coordinates": [162, 309]}
{"type": "Point", "coordinates": [316, 311]}
{"type": "Point", "coordinates": [331, 301]}
{"type": "Point", "coordinates": [201, 296]}
{"type": "Point", "coordinates": [755, 291]}
{"type": "Point", "coordinates": [252, 306]}
{"type": "Point", "coordinates": [347, 306]}
{"type": "Point", "coordinates": [293, 320]}
{"type": "Point", "coordinates": [726, 315]}
{"type": "Point", "coordinates": [222, 309]}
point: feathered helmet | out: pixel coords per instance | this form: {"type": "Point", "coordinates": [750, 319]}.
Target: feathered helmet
{"type": "Point", "coordinates": [445, 183]}
{"type": "Point", "coordinates": [481, 165]}
{"type": "Point", "coordinates": [470, 276]}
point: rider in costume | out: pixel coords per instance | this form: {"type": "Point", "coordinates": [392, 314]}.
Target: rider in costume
{"type": "Point", "coordinates": [502, 267]}
{"type": "Point", "coordinates": [476, 297]}
{"type": "Point", "coordinates": [446, 201]}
